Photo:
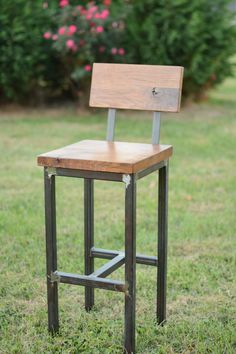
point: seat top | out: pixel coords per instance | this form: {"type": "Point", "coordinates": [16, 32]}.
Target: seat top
{"type": "Point", "coordinates": [96, 155]}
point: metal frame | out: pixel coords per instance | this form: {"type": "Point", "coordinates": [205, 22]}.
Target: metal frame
{"type": "Point", "coordinates": [130, 264]}
{"type": "Point", "coordinates": [88, 281]}
{"type": "Point", "coordinates": [95, 278]}
{"type": "Point", "coordinates": [88, 238]}
{"type": "Point", "coordinates": [162, 243]}
{"type": "Point", "coordinates": [111, 121]}
{"type": "Point", "coordinates": [156, 127]}
{"type": "Point", "coordinates": [51, 250]}
{"type": "Point", "coordinates": [108, 254]}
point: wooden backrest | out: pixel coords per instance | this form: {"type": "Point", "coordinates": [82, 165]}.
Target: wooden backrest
{"type": "Point", "coordinates": [141, 87]}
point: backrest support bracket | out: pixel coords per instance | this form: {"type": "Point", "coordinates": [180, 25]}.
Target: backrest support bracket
{"type": "Point", "coordinates": [111, 121]}
{"type": "Point", "coordinates": [156, 126]}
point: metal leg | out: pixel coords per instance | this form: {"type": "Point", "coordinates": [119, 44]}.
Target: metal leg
{"type": "Point", "coordinates": [51, 250]}
{"type": "Point", "coordinates": [130, 264]}
{"type": "Point", "coordinates": [88, 238]}
{"type": "Point", "coordinates": [162, 244]}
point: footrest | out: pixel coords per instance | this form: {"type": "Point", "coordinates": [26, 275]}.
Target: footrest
{"type": "Point", "coordinates": [109, 254]}
{"type": "Point", "coordinates": [109, 267]}
{"type": "Point", "coordinates": [88, 280]}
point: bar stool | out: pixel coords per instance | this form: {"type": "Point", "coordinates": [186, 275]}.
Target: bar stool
{"type": "Point", "coordinates": [115, 86]}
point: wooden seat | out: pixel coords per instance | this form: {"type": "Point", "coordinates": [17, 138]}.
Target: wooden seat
{"type": "Point", "coordinates": [95, 155]}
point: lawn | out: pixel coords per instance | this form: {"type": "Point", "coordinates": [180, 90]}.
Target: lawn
{"type": "Point", "coordinates": [202, 228]}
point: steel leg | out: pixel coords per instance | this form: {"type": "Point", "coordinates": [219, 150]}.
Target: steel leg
{"type": "Point", "coordinates": [130, 264]}
{"type": "Point", "coordinates": [162, 244]}
{"type": "Point", "coordinates": [88, 238]}
{"type": "Point", "coordinates": [51, 250]}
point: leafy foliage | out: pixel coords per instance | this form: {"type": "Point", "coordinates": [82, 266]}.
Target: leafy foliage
{"type": "Point", "coordinates": [85, 32]}
{"type": "Point", "coordinates": [47, 48]}
{"type": "Point", "coordinates": [198, 34]}
{"type": "Point", "coordinates": [27, 63]}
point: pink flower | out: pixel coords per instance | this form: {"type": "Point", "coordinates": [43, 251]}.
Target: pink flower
{"type": "Point", "coordinates": [47, 35]}
{"type": "Point", "coordinates": [70, 43]}
{"type": "Point", "coordinates": [114, 51]}
{"type": "Point", "coordinates": [107, 2]}
{"type": "Point", "coordinates": [61, 31]}
{"type": "Point", "coordinates": [99, 29]}
{"type": "Point", "coordinates": [72, 30]}
{"type": "Point", "coordinates": [97, 15]}
{"type": "Point", "coordinates": [64, 3]}
{"type": "Point", "coordinates": [93, 9]}
{"type": "Point", "coordinates": [104, 14]}
{"type": "Point", "coordinates": [54, 37]}
{"type": "Point", "coordinates": [88, 67]}
{"type": "Point", "coordinates": [121, 51]}
{"type": "Point", "coordinates": [45, 5]}
{"type": "Point", "coordinates": [102, 49]}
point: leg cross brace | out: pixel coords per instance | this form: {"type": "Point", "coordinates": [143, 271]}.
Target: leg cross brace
{"type": "Point", "coordinates": [96, 279]}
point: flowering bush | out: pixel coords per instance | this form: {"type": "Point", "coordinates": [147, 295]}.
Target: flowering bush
{"type": "Point", "coordinates": [29, 67]}
{"type": "Point", "coordinates": [48, 47]}
{"type": "Point", "coordinates": [85, 33]}
{"type": "Point", "coordinates": [198, 34]}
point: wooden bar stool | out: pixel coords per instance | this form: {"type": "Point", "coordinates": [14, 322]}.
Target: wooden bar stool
{"type": "Point", "coordinates": [139, 87]}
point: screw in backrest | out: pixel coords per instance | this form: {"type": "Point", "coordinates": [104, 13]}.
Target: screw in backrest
{"type": "Point", "coordinates": [155, 91]}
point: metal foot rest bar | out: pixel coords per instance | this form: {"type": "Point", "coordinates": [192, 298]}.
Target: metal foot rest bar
{"type": "Point", "coordinates": [108, 254]}
{"type": "Point", "coordinates": [110, 267]}
{"type": "Point", "coordinates": [88, 280]}
{"type": "Point", "coordinates": [96, 279]}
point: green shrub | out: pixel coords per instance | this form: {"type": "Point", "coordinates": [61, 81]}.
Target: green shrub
{"type": "Point", "coordinates": [198, 34]}
{"type": "Point", "coordinates": [83, 32]}
{"type": "Point", "coordinates": [27, 63]}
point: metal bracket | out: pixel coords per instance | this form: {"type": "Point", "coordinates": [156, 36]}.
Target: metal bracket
{"type": "Point", "coordinates": [111, 121]}
{"type": "Point", "coordinates": [126, 179]}
{"type": "Point", "coordinates": [156, 127]}
{"type": "Point", "coordinates": [55, 277]}
{"type": "Point", "coordinates": [51, 171]}
{"type": "Point", "coordinates": [166, 162]}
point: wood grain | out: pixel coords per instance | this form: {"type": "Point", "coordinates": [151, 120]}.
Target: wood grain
{"type": "Point", "coordinates": [129, 86]}
{"type": "Point", "coordinates": [95, 155]}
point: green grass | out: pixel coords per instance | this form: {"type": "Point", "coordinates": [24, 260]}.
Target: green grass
{"type": "Point", "coordinates": [202, 228]}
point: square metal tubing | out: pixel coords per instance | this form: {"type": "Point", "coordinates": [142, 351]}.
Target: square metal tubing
{"type": "Point", "coordinates": [93, 279]}
{"type": "Point", "coordinates": [88, 238]}
{"type": "Point", "coordinates": [130, 264]}
{"type": "Point", "coordinates": [162, 244]}
{"type": "Point", "coordinates": [51, 250]}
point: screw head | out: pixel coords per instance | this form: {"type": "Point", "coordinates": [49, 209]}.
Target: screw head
{"type": "Point", "coordinates": [155, 91]}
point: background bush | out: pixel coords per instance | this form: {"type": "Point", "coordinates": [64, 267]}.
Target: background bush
{"type": "Point", "coordinates": [198, 34]}
{"type": "Point", "coordinates": [28, 65]}
{"type": "Point", "coordinates": [83, 32]}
